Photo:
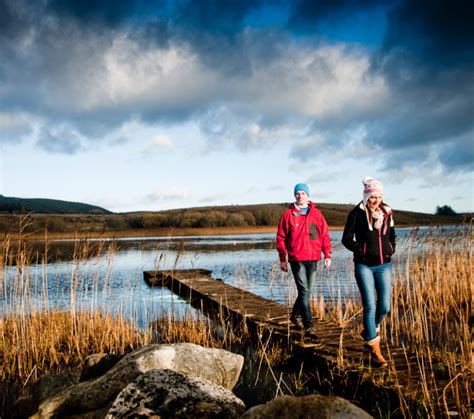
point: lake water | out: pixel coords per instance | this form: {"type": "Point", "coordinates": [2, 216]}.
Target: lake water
{"type": "Point", "coordinates": [113, 280]}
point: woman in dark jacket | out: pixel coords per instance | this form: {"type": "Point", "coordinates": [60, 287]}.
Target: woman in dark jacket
{"type": "Point", "coordinates": [370, 234]}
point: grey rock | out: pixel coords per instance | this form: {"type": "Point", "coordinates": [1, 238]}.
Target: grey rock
{"type": "Point", "coordinates": [216, 365]}
{"type": "Point", "coordinates": [166, 393]}
{"type": "Point", "coordinates": [51, 384]}
{"type": "Point", "coordinates": [314, 406]}
{"type": "Point", "coordinates": [98, 364]}
{"type": "Point", "coordinates": [45, 387]}
{"type": "Point", "coordinates": [22, 408]}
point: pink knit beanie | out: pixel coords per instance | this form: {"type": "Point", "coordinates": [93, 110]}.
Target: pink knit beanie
{"type": "Point", "coordinates": [371, 187]}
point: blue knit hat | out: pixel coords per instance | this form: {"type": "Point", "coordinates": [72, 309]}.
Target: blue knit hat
{"type": "Point", "coordinates": [301, 187]}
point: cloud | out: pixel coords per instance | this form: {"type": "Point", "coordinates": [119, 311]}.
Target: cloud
{"type": "Point", "coordinates": [427, 60]}
{"type": "Point", "coordinates": [441, 34]}
{"type": "Point", "coordinates": [308, 15]}
{"type": "Point", "coordinates": [213, 199]}
{"type": "Point", "coordinates": [160, 143]}
{"type": "Point", "coordinates": [61, 141]}
{"type": "Point", "coordinates": [173, 193]}
{"type": "Point", "coordinates": [14, 127]}
{"type": "Point", "coordinates": [459, 155]}
{"type": "Point", "coordinates": [247, 81]}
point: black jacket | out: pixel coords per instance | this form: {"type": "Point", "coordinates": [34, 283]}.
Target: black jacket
{"type": "Point", "coordinates": [370, 246]}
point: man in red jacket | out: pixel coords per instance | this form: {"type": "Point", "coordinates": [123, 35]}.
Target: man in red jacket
{"type": "Point", "coordinates": [302, 235]}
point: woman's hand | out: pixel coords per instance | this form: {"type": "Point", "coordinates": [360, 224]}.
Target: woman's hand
{"type": "Point", "coordinates": [284, 266]}
{"type": "Point", "coordinates": [327, 263]}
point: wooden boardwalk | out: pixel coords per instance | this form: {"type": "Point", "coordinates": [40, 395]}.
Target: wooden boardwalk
{"type": "Point", "coordinates": [334, 347]}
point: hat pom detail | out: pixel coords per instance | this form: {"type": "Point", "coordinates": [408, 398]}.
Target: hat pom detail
{"type": "Point", "coordinates": [367, 179]}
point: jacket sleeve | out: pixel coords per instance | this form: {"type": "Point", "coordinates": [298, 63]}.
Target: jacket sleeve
{"type": "Point", "coordinates": [325, 238]}
{"type": "Point", "coordinates": [281, 238]}
{"type": "Point", "coordinates": [349, 234]}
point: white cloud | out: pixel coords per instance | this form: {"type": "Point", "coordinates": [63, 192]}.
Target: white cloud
{"type": "Point", "coordinates": [160, 143]}
{"type": "Point", "coordinates": [313, 82]}
{"type": "Point", "coordinates": [171, 194]}
{"type": "Point", "coordinates": [14, 126]}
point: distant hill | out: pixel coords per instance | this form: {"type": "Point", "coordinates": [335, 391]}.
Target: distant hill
{"type": "Point", "coordinates": [12, 205]}
{"type": "Point", "coordinates": [69, 218]}
{"type": "Point", "coordinates": [269, 214]}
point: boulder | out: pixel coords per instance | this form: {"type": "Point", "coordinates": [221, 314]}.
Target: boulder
{"type": "Point", "coordinates": [51, 384]}
{"type": "Point", "coordinates": [45, 387]}
{"type": "Point", "coordinates": [97, 364]}
{"type": "Point", "coordinates": [314, 406]}
{"type": "Point", "coordinates": [166, 393]}
{"type": "Point", "coordinates": [215, 365]}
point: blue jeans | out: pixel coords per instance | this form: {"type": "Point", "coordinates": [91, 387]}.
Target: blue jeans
{"type": "Point", "coordinates": [304, 273]}
{"type": "Point", "coordinates": [373, 280]}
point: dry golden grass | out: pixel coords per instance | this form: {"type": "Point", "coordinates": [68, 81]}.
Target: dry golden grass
{"type": "Point", "coordinates": [431, 308]}
{"type": "Point", "coordinates": [430, 318]}
{"type": "Point", "coordinates": [51, 342]}
{"type": "Point", "coordinates": [145, 232]}
{"type": "Point", "coordinates": [148, 232]}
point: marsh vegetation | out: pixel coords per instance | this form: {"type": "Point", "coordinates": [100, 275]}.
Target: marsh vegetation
{"type": "Point", "coordinates": [429, 320]}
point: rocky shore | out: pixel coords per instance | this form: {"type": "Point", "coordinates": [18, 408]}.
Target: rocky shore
{"type": "Point", "coordinates": [169, 380]}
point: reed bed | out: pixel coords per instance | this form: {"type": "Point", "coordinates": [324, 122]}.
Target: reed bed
{"type": "Point", "coordinates": [431, 307]}
{"type": "Point", "coordinates": [431, 300]}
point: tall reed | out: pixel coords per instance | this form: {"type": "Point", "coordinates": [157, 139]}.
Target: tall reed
{"type": "Point", "coordinates": [431, 306]}
{"type": "Point", "coordinates": [37, 337]}
{"type": "Point", "coordinates": [431, 299]}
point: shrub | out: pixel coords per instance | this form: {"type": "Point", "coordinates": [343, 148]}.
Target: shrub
{"type": "Point", "coordinates": [249, 218]}
{"type": "Point", "coordinates": [235, 220]}
{"type": "Point", "coordinates": [445, 210]}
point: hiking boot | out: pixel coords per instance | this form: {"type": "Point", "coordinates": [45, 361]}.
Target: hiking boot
{"type": "Point", "coordinates": [310, 332]}
{"type": "Point", "coordinates": [296, 322]}
{"type": "Point", "coordinates": [376, 353]}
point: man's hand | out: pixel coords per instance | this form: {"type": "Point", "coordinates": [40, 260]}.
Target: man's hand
{"type": "Point", "coordinates": [284, 266]}
{"type": "Point", "coordinates": [327, 263]}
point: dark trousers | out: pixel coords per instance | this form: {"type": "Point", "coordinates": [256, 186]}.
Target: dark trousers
{"type": "Point", "coordinates": [304, 274]}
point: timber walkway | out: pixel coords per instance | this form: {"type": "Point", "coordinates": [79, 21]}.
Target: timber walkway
{"type": "Point", "coordinates": [335, 348]}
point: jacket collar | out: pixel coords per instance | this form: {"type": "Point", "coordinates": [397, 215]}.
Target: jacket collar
{"type": "Point", "coordinates": [387, 209]}
{"type": "Point", "coordinates": [294, 208]}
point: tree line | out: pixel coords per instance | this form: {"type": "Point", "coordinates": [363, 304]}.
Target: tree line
{"type": "Point", "coordinates": [205, 217]}
{"type": "Point", "coordinates": [190, 218]}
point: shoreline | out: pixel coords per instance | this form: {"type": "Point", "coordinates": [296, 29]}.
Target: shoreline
{"type": "Point", "coordinates": [143, 232]}
{"type": "Point", "coordinates": [156, 232]}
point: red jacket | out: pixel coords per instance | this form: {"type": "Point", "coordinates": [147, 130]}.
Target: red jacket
{"type": "Point", "coordinates": [303, 237]}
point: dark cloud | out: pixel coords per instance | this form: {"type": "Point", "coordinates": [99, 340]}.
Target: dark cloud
{"type": "Point", "coordinates": [215, 16]}
{"type": "Point", "coordinates": [195, 15]}
{"type": "Point", "coordinates": [439, 32]}
{"type": "Point", "coordinates": [54, 66]}
{"type": "Point", "coordinates": [427, 59]}
{"type": "Point", "coordinates": [110, 13]}
{"type": "Point", "coordinates": [307, 15]}
{"type": "Point", "coordinates": [459, 155]}
{"type": "Point", "coordinates": [423, 122]}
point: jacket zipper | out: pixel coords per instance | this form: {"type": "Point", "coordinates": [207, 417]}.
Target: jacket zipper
{"type": "Point", "coordinates": [380, 246]}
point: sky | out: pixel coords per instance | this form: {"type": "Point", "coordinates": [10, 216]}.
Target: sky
{"type": "Point", "coordinates": [146, 105]}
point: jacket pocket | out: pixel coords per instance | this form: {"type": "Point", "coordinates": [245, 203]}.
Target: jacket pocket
{"type": "Point", "coordinates": [313, 232]}
{"type": "Point", "coordinates": [387, 249]}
